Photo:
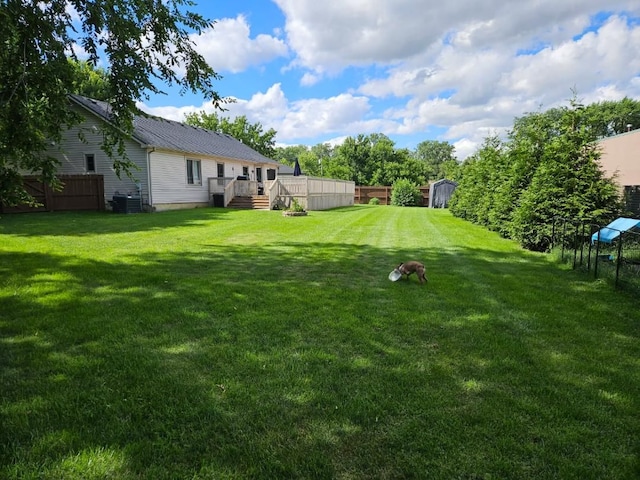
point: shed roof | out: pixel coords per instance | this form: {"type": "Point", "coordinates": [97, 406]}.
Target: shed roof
{"type": "Point", "coordinates": [612, 231]}
{"type": "Point", "coordinates": [444, 181]}
{"type": "Point", "coordinates": [152, 131]}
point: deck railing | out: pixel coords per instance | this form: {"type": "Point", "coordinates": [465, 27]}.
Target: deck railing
{"type": "Point", "coordinates": [313, 193]}
{"type": "Point", "coordinates": [231, 187]}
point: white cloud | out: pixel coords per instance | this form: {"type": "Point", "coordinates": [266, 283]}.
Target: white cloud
{"type": "Point", "coordinates": [327, 36]}
{"type": "Point", "coordinates": [460, 67]}
{"type": "Point", "coordinates": [306, 118]}
{"type": "Point", "coordinates": [334, 34]}
{"type": "Point", "coordinates": [468, 92]}
{"type": "Point", "coordinates": [597, 59]}
{"type": "Point", "coordinates": [268, 108]}
{"type": "Point", "coordinates": [336, 141]}
{"type": "Point", "coordinates": [229, 46]}
{"type": "Point", "coordinates": [292, 120]}
{"type": "Point", "coordinates": [174, 113]}
{"type": "Point", "coordinates": [309, 79]}
{"type": "Point", "coordinates": [465, 147]}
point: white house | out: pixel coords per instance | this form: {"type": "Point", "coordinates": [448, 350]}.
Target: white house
{"type": "Point", "coordinates": [175, 161]}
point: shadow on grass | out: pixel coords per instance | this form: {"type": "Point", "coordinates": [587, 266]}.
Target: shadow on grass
{"type": "Point", "coordinates": [302, 360]}
{"type": "Point", "coordinates": [92, 223]}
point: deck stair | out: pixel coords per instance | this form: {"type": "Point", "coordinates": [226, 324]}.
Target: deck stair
{"type": "Point", "coordinates": [253, 202]}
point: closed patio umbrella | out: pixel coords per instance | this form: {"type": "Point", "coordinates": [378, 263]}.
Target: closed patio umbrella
{"type": "Point", "coordinates": [296, 169]}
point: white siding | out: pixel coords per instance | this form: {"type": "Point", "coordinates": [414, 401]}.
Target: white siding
{"type": "Point", "coordinates": [164, 184]}
{"type": "Point", "coordinates": [169, 178]}
{"type": "Point", "coordinates": [72, 159]}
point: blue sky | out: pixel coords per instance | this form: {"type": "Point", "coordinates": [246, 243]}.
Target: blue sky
{"type": "Point", "coordinates": [414, 70]}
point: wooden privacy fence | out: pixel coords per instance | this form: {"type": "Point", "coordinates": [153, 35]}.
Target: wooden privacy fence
{"type": "Point", "coordinates": [383, 193]}
{"type": "Point", "coordinates": [313, 193]}
{"type": "Point", "coordinates": [79, 192]}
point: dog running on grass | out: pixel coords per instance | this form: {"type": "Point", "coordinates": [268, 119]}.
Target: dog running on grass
{"type": "Point", "coordinates": [407, 268]}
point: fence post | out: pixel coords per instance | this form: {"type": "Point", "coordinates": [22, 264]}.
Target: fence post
{"type": "Point", "coordinates": [591, 232]}
{"type": "Point", "coordinates": [564, 234]}
{"type": "Point", "coordinates": [48, 197]}
{"type": "Point", "coordinates": [582, 244]}
{"type": "Point", "coordinates": [619, 259]}
{"type": "Point", "coordinates": [595, 270]}
{"type": "Point", "coordinates": [575, 244]}
{"type": "Point", "coordinates": [99, 182]}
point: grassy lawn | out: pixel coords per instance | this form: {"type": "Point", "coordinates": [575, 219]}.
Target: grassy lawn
{"type": "Point", "coordinates": [241, 344]}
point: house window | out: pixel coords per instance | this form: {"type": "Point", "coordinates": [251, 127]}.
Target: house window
{"type": "Point", "coordinates": [194, 176]}
{"type": "Point", "coordinates": [89, 162]}
{"type": "Point", "coordinates": [271, 174]}
{"type": "Point", "coordinates": [245, 172]}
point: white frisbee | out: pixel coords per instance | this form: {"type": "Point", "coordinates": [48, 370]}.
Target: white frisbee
{"type": "Point", "coordinates": [395, 275]}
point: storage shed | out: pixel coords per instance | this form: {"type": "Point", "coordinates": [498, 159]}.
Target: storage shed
{"type": "Point", "coordinates": [440, 192]}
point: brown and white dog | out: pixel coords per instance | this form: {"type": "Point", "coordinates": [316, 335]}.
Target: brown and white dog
{"type": "Point", "coordinates": [407, 268]}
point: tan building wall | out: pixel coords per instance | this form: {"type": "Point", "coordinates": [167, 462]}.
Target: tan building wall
{"type": "Point", "coordinates": [621, 155]}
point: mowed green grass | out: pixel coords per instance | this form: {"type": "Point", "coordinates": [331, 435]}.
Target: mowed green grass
{"type": "Point", "coordinates": [242, 344]}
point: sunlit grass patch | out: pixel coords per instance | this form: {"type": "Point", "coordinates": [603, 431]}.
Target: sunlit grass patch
{"type": "Point", "coordinates": [221, 344]}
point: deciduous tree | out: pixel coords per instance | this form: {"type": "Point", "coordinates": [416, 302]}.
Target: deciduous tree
{"type": "Point", "coordinates": [90, 81]}
{"type": "Point", "coordinates": [251, 134]}
{"type": "Point", "coordinates": [143, 43]}
{"type": "Point", "coordinates": [435, 155]}
{"type": "Point", "coordinates": [613, 117]}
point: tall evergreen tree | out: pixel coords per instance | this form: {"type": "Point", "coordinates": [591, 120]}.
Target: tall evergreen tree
{"type": "Point", "coordinates": [523, 154]}
{"type": "Point", "coordinates": [548, 167]}
{"type": "Point", "coordinates": [567, 183]}
{"type": "Point", "coordinates": [473, 196]}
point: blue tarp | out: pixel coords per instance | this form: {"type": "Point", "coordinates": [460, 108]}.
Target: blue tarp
{"type": "Point", "coordinates": [612, 231]}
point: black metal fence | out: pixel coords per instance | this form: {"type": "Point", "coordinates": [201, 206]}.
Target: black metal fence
{"type": "Point", "coordinates": [580, 243]}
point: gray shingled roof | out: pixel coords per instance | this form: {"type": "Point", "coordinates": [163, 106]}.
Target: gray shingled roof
{"type": "Point", "coordinates": [158, 132]}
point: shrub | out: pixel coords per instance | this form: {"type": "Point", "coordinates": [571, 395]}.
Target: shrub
{"type": "Point", "coordinates": [404, 193]}
{"type": "Point", "coordinates": [296, 206]}
{"type": "Point", "coordinates": [374, 201]}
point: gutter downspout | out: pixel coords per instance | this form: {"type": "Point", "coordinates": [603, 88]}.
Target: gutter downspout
{"type": "Point", "coordinates": [149, 152]}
